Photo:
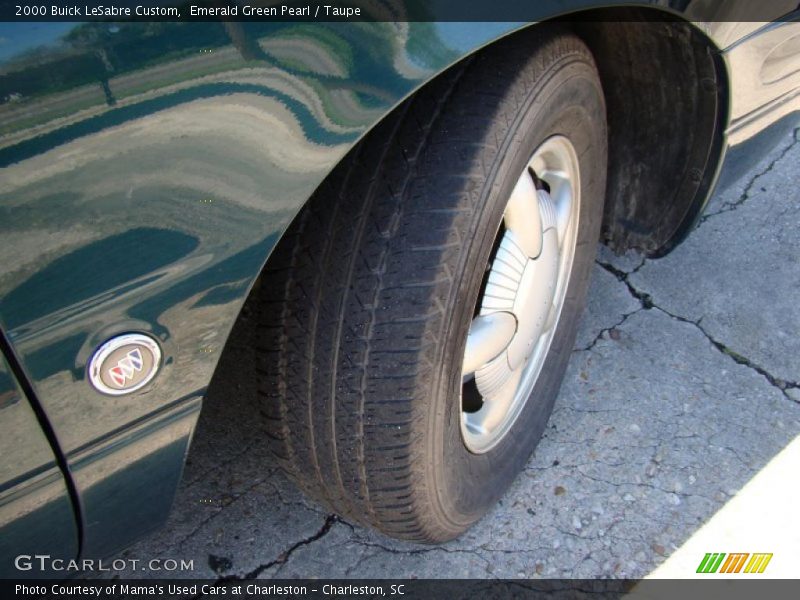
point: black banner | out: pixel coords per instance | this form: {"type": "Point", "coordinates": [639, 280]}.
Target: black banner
{"type": "Point", "coordinates": [313, 589]}
{"type": "Point", "coordinates": [393, 10]}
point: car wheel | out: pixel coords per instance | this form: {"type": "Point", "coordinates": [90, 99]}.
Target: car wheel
{"type": "Point", "coordinates": [417, 318]}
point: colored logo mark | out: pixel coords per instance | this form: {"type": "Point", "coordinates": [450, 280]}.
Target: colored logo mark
{"type": "Point", "coordinates": [719, 562]}
{"type": "Point", "coordinates": [126, 367]}
{"type": "Point", "coordinates": [124, 364]}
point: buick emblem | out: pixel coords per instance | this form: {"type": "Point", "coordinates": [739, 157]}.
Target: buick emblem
{"type": "Point", "coordinates": [124, 364]}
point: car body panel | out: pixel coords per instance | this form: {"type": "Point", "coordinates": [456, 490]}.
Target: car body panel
{"type": "Point", "coordinates": [36, 514]}
{"type": "Point", "coordinates": [765, 106]}
{"type": "Point", "coordinates": [765, 73]}
{"type": "Point", "coordinates": [156, 213]}
{"type": "Point", "coordinates": [147, 173]}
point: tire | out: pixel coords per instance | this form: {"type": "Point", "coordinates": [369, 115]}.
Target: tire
{"type": "Point", "coordinates": [367, 302]}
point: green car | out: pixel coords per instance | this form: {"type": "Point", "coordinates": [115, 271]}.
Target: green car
{"type": "Point", "coordinates": [412, 207]}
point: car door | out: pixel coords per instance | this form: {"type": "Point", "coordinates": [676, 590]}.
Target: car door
{"type": "Point", "coordinates": [37, 521]}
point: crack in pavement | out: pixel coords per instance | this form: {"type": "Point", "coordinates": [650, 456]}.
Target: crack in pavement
{"type": "Point", "coordinates": [777, 382]}
{"type": "Point", "coordinates": [284, 556]}
{"type": "Point", "coordinates": [356, 539]}
{"type": "Point", "coordinates": [644, 484]}
{"type": "Point", "coordinates": [647, 303]}
{"type": "Point", "coordinates": [330, 520]}
{"type": "Point", "coordinates": [621, 276]}
{"type": "Point", "coordinates": [646, 300]}
{"type": "Point", "coordinates": [409, 552]}
{"type": "Point", "coordinates": [605, 330]}
{"type": "Point", "coordinates": [745, 195]}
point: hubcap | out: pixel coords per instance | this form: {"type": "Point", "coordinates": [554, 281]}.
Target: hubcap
{"type": "Point", "coordinates": [523, 295]}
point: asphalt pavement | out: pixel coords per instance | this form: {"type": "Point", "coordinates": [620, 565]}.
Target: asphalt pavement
{"type": "Point", "coordinates": [682, 387]}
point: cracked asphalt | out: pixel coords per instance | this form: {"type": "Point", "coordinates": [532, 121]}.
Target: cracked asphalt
{"type": "Point", "coordinates": [683, 385]}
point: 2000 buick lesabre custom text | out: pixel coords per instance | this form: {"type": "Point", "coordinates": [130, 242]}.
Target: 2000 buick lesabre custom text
{"type": "Point", "coordinates": [413, 208]}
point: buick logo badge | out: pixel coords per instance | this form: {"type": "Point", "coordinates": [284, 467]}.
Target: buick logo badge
{"type": "Point", "coordinates": [124, 364]}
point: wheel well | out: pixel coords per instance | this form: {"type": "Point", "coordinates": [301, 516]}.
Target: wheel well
{"type": "Point", "coordinates": [666, 91]}
{"type": "Point", "coordinates": [666, 94]}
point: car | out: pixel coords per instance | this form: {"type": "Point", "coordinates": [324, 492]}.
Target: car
{"type": "Point", "coordinates": [412, 207]}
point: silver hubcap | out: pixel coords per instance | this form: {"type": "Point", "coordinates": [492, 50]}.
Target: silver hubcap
{"type": "Point", "coordinates": [523, 296]}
